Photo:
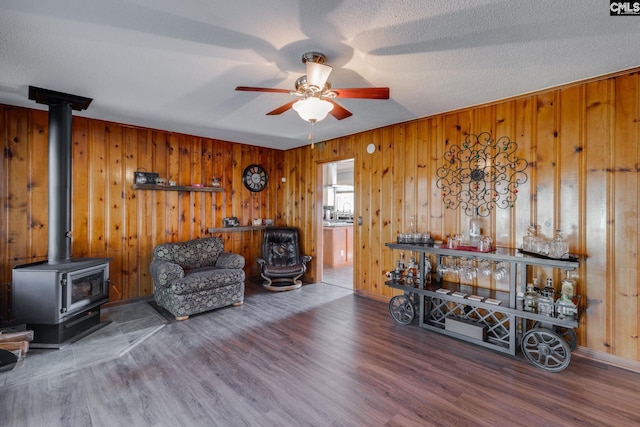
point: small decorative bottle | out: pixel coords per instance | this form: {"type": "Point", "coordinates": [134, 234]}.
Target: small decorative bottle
{"type": "Point", "coordinates": [530, 299]}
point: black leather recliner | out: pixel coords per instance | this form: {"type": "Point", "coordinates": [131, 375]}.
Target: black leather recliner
{"type": "Point", "coordinates": [281, 264]}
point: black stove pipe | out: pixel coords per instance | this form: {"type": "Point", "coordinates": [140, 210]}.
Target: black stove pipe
{"type": "Point", "coordinates": [60, 157]}
{"type": "Point", "coordinates": [59, 182]}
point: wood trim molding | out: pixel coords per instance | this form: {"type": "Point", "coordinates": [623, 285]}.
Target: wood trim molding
{"type": "Point", "coordinates": [609, 359]}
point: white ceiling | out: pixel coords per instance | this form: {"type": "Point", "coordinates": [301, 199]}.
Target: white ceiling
{"type": "Point", "coordinates": [173, 65]}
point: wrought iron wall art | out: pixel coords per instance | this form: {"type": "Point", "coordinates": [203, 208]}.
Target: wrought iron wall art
{"type": "Point", "coordinates": [483, 173]}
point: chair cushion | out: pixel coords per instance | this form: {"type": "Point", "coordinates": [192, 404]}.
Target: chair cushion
{"type": "Point", "coordinates": [283, 271]}
{"type": "Point", "coordinates": [204, 278]}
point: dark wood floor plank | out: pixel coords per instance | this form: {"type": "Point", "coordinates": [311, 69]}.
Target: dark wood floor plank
{"type": "Point", "coordinates": [319, 356]}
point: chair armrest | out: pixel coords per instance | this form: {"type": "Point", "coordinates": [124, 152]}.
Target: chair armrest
{"type": "Point", "coordinates": [305, 258]}
{"type": "Point", "coordinates": [229, 260]}
{"type": "Point", "coordinates": [261, 261]}
{"type": "Point", "coordinates": [165, 272]}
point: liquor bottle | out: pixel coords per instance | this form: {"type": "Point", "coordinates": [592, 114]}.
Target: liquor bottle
{"type": "Point", "coordinates": [549, 289]}
{"type": "Point", "coordinates": [568, 285]}
{"type": "Point", "coordinates": [475, 228]}
{"type": "Point", "coordinates": [411, 272]}
{"type": "Point", "coordinates": [535, 285]}
{"type": "Point", "coordinates": [546, 301]}
{"type": "Point", "coordinates": [565, 308]}
{"type": "Point", "coordinates": [399, 271]}
{"type": "Point", "coordinates": [427, 271]}
{"type": "Point", "coordinates": [530, 299]}
{"type": "Point", "coordinates": [400, 265]}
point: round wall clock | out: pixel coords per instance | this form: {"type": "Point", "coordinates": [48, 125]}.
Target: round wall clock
{"type": "Point", "coordinates": [255, 177]}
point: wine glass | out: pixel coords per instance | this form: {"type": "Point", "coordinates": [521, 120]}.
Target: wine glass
{"type": "Point", "coordinates": [485, 270]}
{"type": "Point", "coordinates": [500, 271]}
{"type": "Point", "coordinates": [452, 265]}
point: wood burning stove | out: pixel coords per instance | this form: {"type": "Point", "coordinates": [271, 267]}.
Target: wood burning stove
{"type": "Point", "coordinates": [60, 301]}
{"type": "Point", "coordinates": [60, 298]}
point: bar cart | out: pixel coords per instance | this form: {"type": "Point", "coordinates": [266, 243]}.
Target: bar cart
{"type": "Point", "coordinates": [486, 317]}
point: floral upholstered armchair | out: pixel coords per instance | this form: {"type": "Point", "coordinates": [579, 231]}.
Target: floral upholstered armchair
{"type": "Point", "coordinates": [196, 276]}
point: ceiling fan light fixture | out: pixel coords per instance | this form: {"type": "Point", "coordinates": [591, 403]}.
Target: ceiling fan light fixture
{"type": "Point", "coordinates": [314, 90]}
{"type": "Point", "coordinates": [312, 109]}
{"type": "Point", "coordinates": [317, 75]}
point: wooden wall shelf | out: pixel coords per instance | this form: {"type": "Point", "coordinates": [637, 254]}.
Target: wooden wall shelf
{"type": "Point", "coordinates": [236, 229]}
{"type": "Point", "coordinates": [176, 188]}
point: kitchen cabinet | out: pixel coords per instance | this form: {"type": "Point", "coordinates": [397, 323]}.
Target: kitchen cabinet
{"type": "Point", "coordinates": [338, 246]}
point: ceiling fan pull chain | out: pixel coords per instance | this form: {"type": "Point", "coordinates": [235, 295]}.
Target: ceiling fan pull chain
{"type": "Point", "coordinates": [311, 133]}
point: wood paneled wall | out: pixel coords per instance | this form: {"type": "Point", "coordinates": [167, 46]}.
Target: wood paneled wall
{"type": "Point", "coordinates": [110, 218]}
{"type": "Point", "coordinates": [581, 141]}
{"type": "Point", "coordinates": [582, 145]}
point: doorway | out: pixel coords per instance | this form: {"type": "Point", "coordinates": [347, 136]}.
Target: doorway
{"type": "Point", "coordinates": [338, 210]}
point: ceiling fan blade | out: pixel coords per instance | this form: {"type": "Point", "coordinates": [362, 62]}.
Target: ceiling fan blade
{"type": "Point", "coordinates": [363, 92]}
{"type": "Point", "coordinates": [261, 89]}
{"type": "Point", "coordinates": [339, 112]}
{"type": "Point", "coordinates": [282, 108]}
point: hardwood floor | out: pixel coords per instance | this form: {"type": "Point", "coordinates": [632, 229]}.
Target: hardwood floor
{"type": "Point", "coordinates": [319, 356]}
{"type": "Point", "coordinates": [340, 276]}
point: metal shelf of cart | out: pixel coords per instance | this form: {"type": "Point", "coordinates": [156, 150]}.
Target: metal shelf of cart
{"type": "Point", "coordinates": [483, 316]}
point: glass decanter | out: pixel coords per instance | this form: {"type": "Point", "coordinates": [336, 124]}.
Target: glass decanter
{"type": "Point", "coordinates": [475, 228]}
{"type": "Point", "coordinates": [528, 241]}
{"type": "Point", "coordinates": [558, 248]}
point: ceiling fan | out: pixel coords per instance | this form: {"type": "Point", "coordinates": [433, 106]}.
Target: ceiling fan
{"type": "Point", "coordinates": [316, 92]}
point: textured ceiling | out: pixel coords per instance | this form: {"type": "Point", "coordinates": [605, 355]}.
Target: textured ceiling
{"type": "Point", "coordinates": [173, 65]}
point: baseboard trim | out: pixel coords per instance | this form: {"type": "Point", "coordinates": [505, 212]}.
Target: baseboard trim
{"type": "Point", "coordinates": [372, 296]}
{"type": "Point", "coordinates": [607, 358]}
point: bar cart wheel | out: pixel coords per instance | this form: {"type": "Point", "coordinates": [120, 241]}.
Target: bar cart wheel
{"type": "Point", "coordinates": [402, 309]}
{"type": "Point", "coordinates": [569, 334]}
{"type": "Point", "coordinates": [546, 349]}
